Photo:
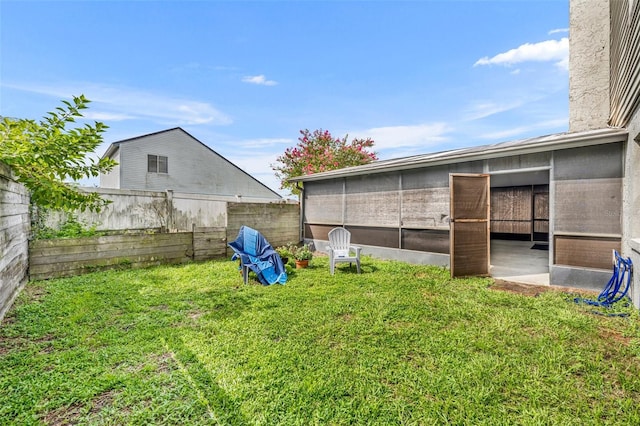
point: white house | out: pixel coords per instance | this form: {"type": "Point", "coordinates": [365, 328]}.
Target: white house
{"type": "Point", "coordinates": [174, 160]}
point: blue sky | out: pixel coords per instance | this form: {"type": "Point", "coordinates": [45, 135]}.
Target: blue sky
{"type": "Point", "coordinates": [244, 77]}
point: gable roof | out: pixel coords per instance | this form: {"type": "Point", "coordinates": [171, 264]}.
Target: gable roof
{"type": "Point", "coordinates": [113, 148]}
{"type": "Point", "coordinates": [518, 147]}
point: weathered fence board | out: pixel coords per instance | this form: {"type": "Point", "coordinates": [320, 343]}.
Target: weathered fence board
{"type": "Point", "coordinates": [74, 256]}
{"type": "Point", "coordinates": [209, 243]}
{"type": "Point", "coordinates": [95, 251]}
{"type": "Point", "coordinates": [65, 257]}
{"type": "Point", "coordinates": [14, 233]}
{"type": "Point", "coordinates": [107, 243]}
{"type": "Point", "coordinates": [278, 222]}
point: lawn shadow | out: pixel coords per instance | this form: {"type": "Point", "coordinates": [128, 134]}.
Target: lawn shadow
{"type": "Point", "coordinates": [344, 268]}
{"type": "Point", "coordinates": [220, 407]}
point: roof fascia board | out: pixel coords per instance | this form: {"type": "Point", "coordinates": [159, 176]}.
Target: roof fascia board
{"type": "Point", "coordinates": [113, 148]}
{"type": "Point", "coordinates": [532, 147]}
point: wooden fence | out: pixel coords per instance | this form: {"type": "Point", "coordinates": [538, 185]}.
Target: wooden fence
{"type": "Point", "coordinates": [14, 233]}
{"type": "Point", "coordinates": [75, 256]}
{"type": "Point", "coordinates": [278, 222]}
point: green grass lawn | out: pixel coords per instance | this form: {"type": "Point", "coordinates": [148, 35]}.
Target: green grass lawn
{"type": "Point", "coordinates": [398, 344]}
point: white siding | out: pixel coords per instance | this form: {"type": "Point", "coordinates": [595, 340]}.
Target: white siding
{"type": "Point", "coordinates": [193, 168]}
{"type": "Point", "coordinates": [112, 179]}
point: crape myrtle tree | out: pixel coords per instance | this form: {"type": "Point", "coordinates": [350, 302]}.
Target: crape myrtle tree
{"type": "Point", "coordinates": [320, 152]}
{"type": "Point", "coordinates": [45, 156]}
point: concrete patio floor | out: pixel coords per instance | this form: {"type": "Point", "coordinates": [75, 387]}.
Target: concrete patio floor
{"type": "Point", "coordinates": [516, 261]}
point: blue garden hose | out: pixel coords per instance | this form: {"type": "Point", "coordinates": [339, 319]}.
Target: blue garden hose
{"type": "Point", "coordinates": [618, 285]}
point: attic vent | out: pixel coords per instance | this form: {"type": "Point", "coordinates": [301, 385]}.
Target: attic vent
{"type": "Point", "coordinates": [157, 164]}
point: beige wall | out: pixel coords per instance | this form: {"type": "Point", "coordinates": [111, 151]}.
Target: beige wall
{"type": "Point", "coordinates": [631, 205]}
{"type": "Point", "coordinates": [588, 64]}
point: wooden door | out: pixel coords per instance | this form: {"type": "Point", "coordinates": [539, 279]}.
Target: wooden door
{"type": "Point", "coordinates": [469, 224]}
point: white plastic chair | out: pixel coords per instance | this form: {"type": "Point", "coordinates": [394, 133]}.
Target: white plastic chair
{"type": "Point", "coordinates": [341, 250]}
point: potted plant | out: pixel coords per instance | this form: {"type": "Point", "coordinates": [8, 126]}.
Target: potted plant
{"type": "Point", "coordinates": [285, 253]}
{"type": "Point", "coordinates": [302, 255]}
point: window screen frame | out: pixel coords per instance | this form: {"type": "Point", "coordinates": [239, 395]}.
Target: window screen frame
{"type": "Point", "coordinates": [157, 164]}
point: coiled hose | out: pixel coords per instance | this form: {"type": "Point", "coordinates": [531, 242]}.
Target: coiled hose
{"type": "Point", "coordinates": [618, 285]}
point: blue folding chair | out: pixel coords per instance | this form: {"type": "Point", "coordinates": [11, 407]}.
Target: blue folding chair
{"type": "Point", "coordinates": [256, 254]}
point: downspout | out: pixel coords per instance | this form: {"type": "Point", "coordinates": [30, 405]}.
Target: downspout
{"type": "Point", "coordinates": [301, 219]}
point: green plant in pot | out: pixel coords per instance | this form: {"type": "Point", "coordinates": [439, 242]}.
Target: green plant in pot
{"type": "Point", "coordinates": [302, 256]}
{"type": "Point", "coordinates": [285, 253]}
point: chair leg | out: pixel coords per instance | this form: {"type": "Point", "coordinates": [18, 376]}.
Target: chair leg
{"type": "Point", "coordinates": [358, 265]}
{"type": "Point", "coordinates": [245, 274]}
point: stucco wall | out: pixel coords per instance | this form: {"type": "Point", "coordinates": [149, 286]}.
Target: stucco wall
{"type": "Point", "coordinates": [588, 64]}
{"type": "Point", "coordinates": [631, 204]}
{"type": "Point", "coordinates": [130, 210]}
{"type": "Point", "coordinates": [177, 211]}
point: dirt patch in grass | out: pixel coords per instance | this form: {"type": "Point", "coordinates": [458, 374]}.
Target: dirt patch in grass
{"type": "Point", "coordinates": [160, 307]}
{"type": "Point", "coordinates": [10, 318]}
{"type": "Point", "coordinates": [195, 315]}
{"type": "Point", "coordinates": [614, 335]}
{"type": "Point", "coordinates": [63, 415]}
{"type": "Point", "coordinates": [346, 317]}
{"type": "Point", "coordinates": [71, 414]}
{"type": "Point", "coordinates": [34, 293]}
{"type": "Point", "coordinates": [164, 362]}
{"type": "Point", "coordinates": [535, 290]}
{"type": "Point", "coordinates": [103, 400]}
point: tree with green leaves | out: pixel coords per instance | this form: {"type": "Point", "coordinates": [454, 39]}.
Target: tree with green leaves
{"type": "Point", "coordinates": [320, 152]}
{"type": "Point", "coordinates": [46, 156]}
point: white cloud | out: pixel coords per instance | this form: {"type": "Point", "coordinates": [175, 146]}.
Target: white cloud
{"type": "Point", "coordinates": [259, 79]}
{"type": "Point", "coordinates": [123, 103]}
{"type": "Point", "coordinates": [559, 30]}
{"type": "Point", "coordinates": [544, 51]}
{"type": "Point", "coordinates": [265, 142]}
{"type": "Point", "coordinates": [515, 131]}
{"type": "Point", "coordinates": [422, 135]}
{"type": "Point", "coordinates": [481, 110]}
{"type": "Point", "coordinates": [106, 116]}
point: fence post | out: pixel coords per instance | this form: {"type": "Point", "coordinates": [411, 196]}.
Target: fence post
{"type": "Point", "coordinates": [193, 241]}
{"type": "Point", "coordinates": [170, 220]}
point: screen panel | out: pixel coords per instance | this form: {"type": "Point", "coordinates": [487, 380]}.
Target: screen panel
{"type": "Point", "coordinates": [428, 240]}
{"type": "Point", "coordinates": [586, 252]}
{"type": "Point", "coordinates": [588, 206]}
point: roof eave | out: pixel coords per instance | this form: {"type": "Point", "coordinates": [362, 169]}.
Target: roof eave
{"type": "Point", "coordinates": [537, 145]}
{"type": "Point", "coordinates": [112, 149]}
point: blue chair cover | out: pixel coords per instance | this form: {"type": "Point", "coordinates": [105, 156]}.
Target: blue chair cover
{"type": "Point", "coordinates": [255, 252]}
